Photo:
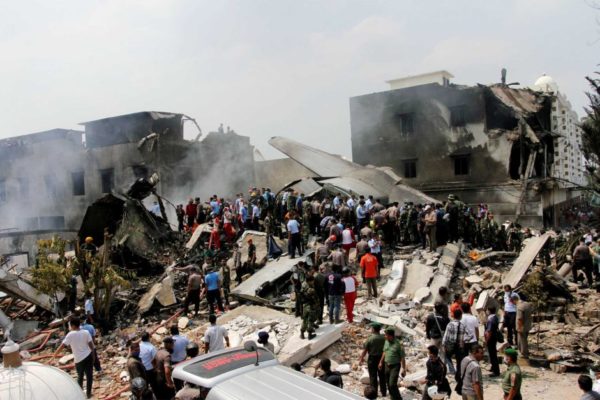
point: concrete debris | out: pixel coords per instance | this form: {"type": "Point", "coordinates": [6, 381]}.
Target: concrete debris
{"type": "Point", "coordinates": [162, 291]}
{"type": "Point", "coordinates": [525, 259]}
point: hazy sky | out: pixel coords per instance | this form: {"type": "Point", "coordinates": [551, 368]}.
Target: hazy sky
{"type": "Point", "coordinates": [279, 67]}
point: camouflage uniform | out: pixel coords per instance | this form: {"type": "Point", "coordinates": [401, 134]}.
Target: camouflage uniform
{"type": "Point", "coordinates": [309, 308]}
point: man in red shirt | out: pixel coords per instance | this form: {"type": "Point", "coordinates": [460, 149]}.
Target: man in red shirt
{"type": "Point", "coordinates": [369, 265]}
{"type": "Point", "coordinates": [190, 211]}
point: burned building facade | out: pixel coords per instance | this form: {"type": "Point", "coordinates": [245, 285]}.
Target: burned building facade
{"type": "Point", "coordinates": [48, 179]}
{"type": "Point", "coordinates": [488, 144]}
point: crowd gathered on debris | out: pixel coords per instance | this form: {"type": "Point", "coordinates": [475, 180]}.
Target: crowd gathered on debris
{"type": "Point", "coordinates": [334, 225]}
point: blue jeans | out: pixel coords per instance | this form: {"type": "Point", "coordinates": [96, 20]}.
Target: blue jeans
{"type": "Point", "coordinates": [334, 308]}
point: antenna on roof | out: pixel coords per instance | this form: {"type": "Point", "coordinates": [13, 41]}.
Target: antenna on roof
{"type": "Point", "coordinates": [503, 79]}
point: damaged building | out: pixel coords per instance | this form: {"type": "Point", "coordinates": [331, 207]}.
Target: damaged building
{"type": "Point", "coordinates": [48, 179]}
{"type": "Point", "coordinates": [491, 144]}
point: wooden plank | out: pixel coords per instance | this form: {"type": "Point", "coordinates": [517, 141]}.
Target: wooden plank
{"type": "Point", "coordinates": [524, 261]}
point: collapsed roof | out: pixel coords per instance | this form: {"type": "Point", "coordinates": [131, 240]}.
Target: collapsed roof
{"type": "Point", "coordinates": [336, 174]}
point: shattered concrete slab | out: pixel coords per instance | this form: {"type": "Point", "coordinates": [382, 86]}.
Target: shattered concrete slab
{"type": "Point", "coordinates": [445, 269]}
{"type": "Point", "coordinates": [161, 291]}
{"type": "Point", "coordinates": [392, 287]}
{"type": "Point", "coordinates": [263, 283]}
{"type": "Point", "coordinates": [200, 229]}
{"type": "Point", "coordinates": [418, 276]}
{"type": "Point", "coordinates": [17, 287]}
{"type": "Point", "coordinates": [525, 259]}
{"type": "Point", "coordinates": [297, 350]}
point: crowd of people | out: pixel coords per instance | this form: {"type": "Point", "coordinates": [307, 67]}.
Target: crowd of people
{"type": "Point", "coordinates": [329, 283]}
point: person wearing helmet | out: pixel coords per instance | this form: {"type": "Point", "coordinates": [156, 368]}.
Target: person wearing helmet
{"type": "Point", "coordinates": [88, 250]}
{"type": "Point", "coordinates": [351, 284]}
{"type": "Point", "coordinates": [263, 339]}
{"type": "Point", "coordinates": [140, 390]}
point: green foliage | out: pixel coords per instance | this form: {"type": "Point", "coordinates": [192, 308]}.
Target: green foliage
{"type": "Point", "coordinates": [590, 128]}
{"type": "Point", "coordinates": [52, 274]}
{"type": "Point", "coordinates": [103, 282]}
{"type": "Point", "coordinates": [533, 288]}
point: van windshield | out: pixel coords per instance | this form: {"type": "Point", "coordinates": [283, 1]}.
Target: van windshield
{"type": "Point", "coordinates": [214, 366]}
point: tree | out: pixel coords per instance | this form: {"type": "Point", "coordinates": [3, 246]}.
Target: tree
{"type": "Point", "coordinates": [104, 280]}
{"type": "Point", "coordinates": [52, 275]}
{"type": "Point", "coordinates": [590, 136]}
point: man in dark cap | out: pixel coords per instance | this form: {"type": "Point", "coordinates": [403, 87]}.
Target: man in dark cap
{"type": "Point", "coordinates": [374, 347]}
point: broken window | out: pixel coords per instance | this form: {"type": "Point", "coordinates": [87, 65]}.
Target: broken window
{"type": "Point", "coordinates": [405, 122]}
{"type": "Point", "coordinates": [2, 190]}
{"type": "Point", "coordinates": [107, 180]}
{"type": "Point", "coordinates": [77, 178]}
{"type": "Point", "coordinates": [410, 168]}
{"type": "Point", "coordinates": [457, 116]}
{"type": "Point", "coordinates": [23, 187]}
{"type": "Point", "coordinates": [140, 171]}
{"type": "Point", "coordinates": [51, 185]}
{"type": "Point", "coordinates": [461, 165]}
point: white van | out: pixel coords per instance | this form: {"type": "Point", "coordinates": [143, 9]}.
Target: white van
{"type": "Point", "coordinates": [252, 373]}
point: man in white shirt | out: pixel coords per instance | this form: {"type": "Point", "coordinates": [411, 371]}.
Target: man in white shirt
{"type": "Point", "coordinates": [510, 315]}
{"type": "Point", "coordinates": [89, 307]}
{"type": "Point", "coordinates": [214, 335]}
{"type": "Point", "coordinates": [471, 324]}
{"type": "Point", "coordinates": [82, 346]}
{"type": "Point", "coordinates": [294, 238]}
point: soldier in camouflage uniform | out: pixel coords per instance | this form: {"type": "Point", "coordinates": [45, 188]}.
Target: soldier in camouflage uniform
{"type": "Point", "coordinates": [515, 239]}
{"type": "Point", "coordinates": [403, 223]}
{"type": "Point", "coordinates": [310, 306]}
{"type": "Point", "coordinates": [413, 225]}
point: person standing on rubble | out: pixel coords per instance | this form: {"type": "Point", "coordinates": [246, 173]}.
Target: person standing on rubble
{"type": "Point", "coordinates": [452, 210]}
{"type": "Point", "coordinates": [294, 238]}
{"type": "Point", "coordinates": [335, 292]}
{"type": "Point", "coordinates": [582, 259]}
{"type": "Point", "coordinates": [491, 340]}
{"type": "Point", "coordinates": [81, 344]}
{"type": "Point", "coordinates": [374, 347]}
{"type": "Point", "coordinates": [147, 355]}
{"type": "Point", "coordinates": [180, 213]}
{"type": "Point", "coordinates": [471, 324]}
{"type": "Point", "coordinates": [430, 220]}
{"type": "Point", "coordinates": [351, 285]}
{"type": "Point", "coordinates": [470, 374]}
{"type": "Point", "coordinates": [213, 290]}
{"type": "Point", "coordinates": [369, 266]}
{"type": "Point", "coordinates": [165, 387]}
{"type": "Point", "coordinates": [190, 211]}
{"type": "Point", "coordinates": [135, 368]}
{"type": "Point", "coordinates": [226, 279]}
{"type": "Point", "coordinates": [309, 304]}
{"type": "Point", "coordinates": [194, 287]}
{"type": "Point", "coordinates": [375, 246]}
{"type": "Point", "coordinates": [251, 254]}
{"type": "Point", "coordinates": [453, 341]}
{"type": "Point", "coordinates": [435, 327]}
{"type": "Point", "coordinates": [179, 346]}
{"type": "Point", "coordinates": [436, 373]}
{"type": "Point", "coordinates": [394, 362]}
{"type": "Point", "coordinates": [524, 324]}
{"type": "Point", "coordinates": [320, 283]}
{"type": "Point", "coordinates": [510, 315]}
{"type": "Point", "coordinates": [214, 336]}
{"type": "Point", "coordinates": [87, 325]}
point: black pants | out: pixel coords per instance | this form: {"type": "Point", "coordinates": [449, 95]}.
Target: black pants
{"type": "Point", "coordinates": [493, 352]}
{"type": "Point", "coordinates": [588, 268]}
{"type": "Point", "coordinates": [86, 366]}
{"type": "Point", "coordinates": [151, 379]}
{"type": "Point", "coordinates": [376, 375]}
{"type": "Point", "coordinates": [212, 297]}
{"type": "Point", "coordinates": [193, 296]}
{"type": "Point", "coordinates": [510, 320]}
{"type": "Point", "coordinates": [295, 243]}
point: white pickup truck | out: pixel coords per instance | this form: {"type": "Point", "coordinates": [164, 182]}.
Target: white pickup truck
{"type": "Point", "coordinates": [252, 373]}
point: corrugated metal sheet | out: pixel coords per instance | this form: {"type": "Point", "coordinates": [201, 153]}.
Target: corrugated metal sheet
{"type": "Point", "coordinates": [520, 100]}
